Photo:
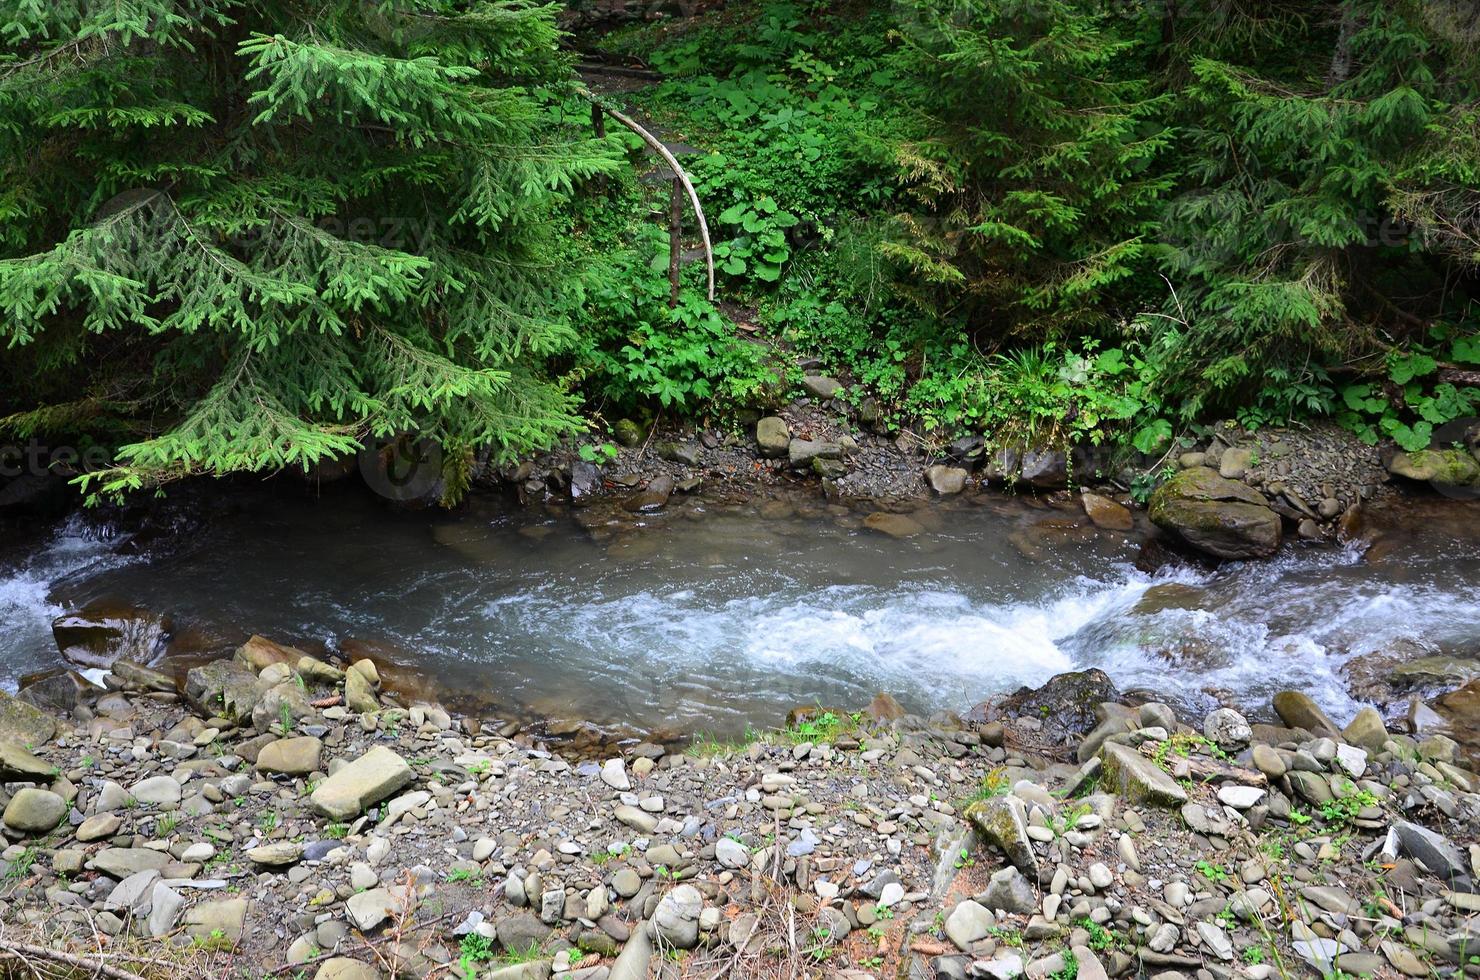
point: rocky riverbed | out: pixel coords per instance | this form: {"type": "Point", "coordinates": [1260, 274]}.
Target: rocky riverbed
{"type": "Point", "coordinates": [278, 815]}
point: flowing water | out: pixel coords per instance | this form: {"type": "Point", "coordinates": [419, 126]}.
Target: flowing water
{"type": "Point", "coordinates": [721, 615]}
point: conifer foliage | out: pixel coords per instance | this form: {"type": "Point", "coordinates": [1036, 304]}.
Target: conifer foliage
{"type": "Point", "coordinates": [257, 234]}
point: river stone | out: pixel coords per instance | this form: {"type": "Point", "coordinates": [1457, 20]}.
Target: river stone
{"type": "Point", "coordinates": [821, 386]}
{"type": "Point", "coordinates": [57, 693]}
{"type": "Point", "coordinates": [223, 687]}
{"type": "Point", "coordinates": [99, 826]}
{"type": "Point", "coordinates": [772, 436]}
{"type": "Point", "coordinates": [134, 893]}
{"type": "Point", "coordinates": [1366, 730]}
{"type": "Point", "coordinates": [1065, 702]}
{"type": "Point", "coordinates": [522, 932]}
{"type": "Point", "coordinates": [639, 821]}
{"type": "Point", "coordinates": [1310, 787]}
{"type": "Point", "coordinates": [614, 774]}
{"type": "Point", "coordinates": [165, 905]}
{"type": "Point", "coordinates": [894, 525]}
{"type": "Point", "coordinates": [135, 677]}
{"type": "Point", "coordinates": [344, 968]}
{"type": "Point", "coordinates": [217, 923]}
{"type": "Point", "coordinates": [1046, 469]}
{"type": "Point", "coordinates": [1240, 797]}
{"type": "Point", "coordinates": [120, 862]}
{"type": "Point", "coordinates": [1269, 761]}
{"type": "Point", "coordinates": [1440, 467]}
{"type": "Point", "coordinates": [1227, 729]}
{"type": "Point", "coordinates": [277, 854]}
{"type": "Point", "coordinates": [1105, 513]}
{"type": "Point", "coordinates": [1433, 851]}
{"type": "Point", "coordinates": [1221, 517]}
{"type": "Point", "coordinates": [652, 497]}
{"type": "Point", "coordinates": [24, 724]}
{"type": "Point", "coordinates": [19, 766]}
{"type": "Point", "coordinates": [1010, 892]}
{"type": "Point", "coordinates": [156, 791]}
{"type": "Point", "coordinates": [34, 811]}
{"type": "Point", "coordinates": [1297, 710]}
{"type": "Point", "coordinates": [291, 756]}
{"type": "Point", "coordinates": [1001, 821]}
{"type": "Point", "coordinates": [677, 917]}
{"type": "Point", "coordinates": [359, 692]}
{"type": "Point", "coordinates": [286, 700]}
{"type": "Point", "coordinates": [946, 480]}
{"type": "Point", "coordinates": [1137, 778]}
{"type": "Point", "coordinates": [370, 908]}
{"type": "Point", "coordinates": [731, 853]}
{"type": "Point", "coordinates": [801, 452]}
{"type": "Point", "coordinates": [259, 653]}
{"type": "Point", "coordinates": [969, 923]}
{"type": "Point", "coordinates": [363, 783]}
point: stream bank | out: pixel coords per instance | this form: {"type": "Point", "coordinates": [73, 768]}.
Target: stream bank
{"type": "Point", "coordinates": [279, 816]}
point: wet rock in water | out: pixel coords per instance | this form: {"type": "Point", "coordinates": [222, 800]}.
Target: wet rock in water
{"type": "Point", "coordinates": [24, 723]}
{"type": "Point", "coordinates": [34, 811]}
{"type": "Point", "coordinates": [772, 436]}
{"type": "Point", "coordinates": [1137, 778]}
{"type": "Point", "coordinates": [1223, 518]}
{"type": "Point", "coordinates": [1297, 710]}
{"type": "Point", "coordinates": [894, 525]}
{"type": "Point", "coordinates": [361, 784]}
{"type": "Point", "coordinates": [653, 497]}
{"type": "Point", "coordinates": [223, 687]}
{"type": "Point", "coordinates": [821, 386]}
{"type": "Point", "coordinates": [101, 633]}
{"type": "Point", "coordinates": [946, 480]}
{"type": "Point", "coordinates": [1105, 513]}
{"type": "Point", "coordinates": [1439, 467]}
{"type": "Point", "coordinates": [1066, 702]}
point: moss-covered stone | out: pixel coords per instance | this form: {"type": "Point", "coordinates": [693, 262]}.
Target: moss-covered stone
{"type": "Point", "coordinates": [1441, 467]}
{"type": "Point", "coordinates": [1224, 518]}
{"type": "Point", "coordinates": [1137, 778]}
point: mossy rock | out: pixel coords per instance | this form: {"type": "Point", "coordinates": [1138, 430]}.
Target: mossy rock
{"type": "Point", "coordinates": [1221, 517]}
{"type": "Point", "coordinates": [1440, 467]}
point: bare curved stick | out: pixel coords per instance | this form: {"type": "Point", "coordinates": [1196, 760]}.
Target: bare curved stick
{"type": "Point", "coordinates": [678, 172]}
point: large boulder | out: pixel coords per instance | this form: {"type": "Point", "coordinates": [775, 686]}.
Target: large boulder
{"type": "Point", "coordinates": [223, 687]}
{"type": "Point", "coordinates": [1439, 467]}
{"type": "Point", "coordinates": [24, 723]}
{"type": "Point", "coordinates": [19, 766]}
{"type": "Point", "coordinates": [1066, 703]}
{"type": "Point", "coordinates": [100, 633]}
{"type": "Point", "coordinates": [259, 653]}
{"type": "Point", "coordinates": [1221, 517]}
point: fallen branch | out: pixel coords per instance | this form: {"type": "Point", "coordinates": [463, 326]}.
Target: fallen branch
{"type": "Point", "coordinates": [678, 171]}
{"type": "Point", "coordinates": [98, 968]}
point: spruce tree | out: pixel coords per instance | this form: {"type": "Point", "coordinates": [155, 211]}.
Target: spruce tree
{"type": "Point", "coordinates": [245, 235]}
